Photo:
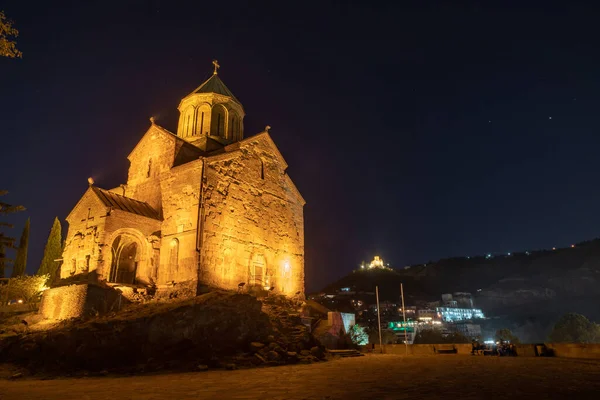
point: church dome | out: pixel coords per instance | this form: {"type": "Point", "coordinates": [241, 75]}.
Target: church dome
{"type": "Point", "coordinates": [211, 113]}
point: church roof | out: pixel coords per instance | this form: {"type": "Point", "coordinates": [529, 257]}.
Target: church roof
{"type": "Point", "coordinates": [126, 204]}
{"type": "Point", "coordinates": [214, 84]}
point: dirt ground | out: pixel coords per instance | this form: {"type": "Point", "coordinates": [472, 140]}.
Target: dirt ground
{"type": "Point", "coordinates": [369, 377]}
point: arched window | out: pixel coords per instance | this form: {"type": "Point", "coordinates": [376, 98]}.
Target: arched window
{"type": "Point", "coordinates": [188, 122]}
{"type": "Point", "coordinates": [262, 169]}
{"type": "Point", "coordinates": [218, 119]}
{"type": "Point", "coordinates": [232, 134]}
{"type": "Point", "coordinates": [202, 119]}
{"type": "Point", "coordinates": [149, 173]}
{"type": "Point", "coordinates": [174, 255]}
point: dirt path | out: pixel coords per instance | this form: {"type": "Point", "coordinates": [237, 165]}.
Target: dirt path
{"type": "Point", "coordinates": [370, 377]}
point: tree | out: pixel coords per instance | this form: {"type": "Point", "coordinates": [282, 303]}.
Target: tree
{"type": "Point", "coordinates": [21, 259]}
{"type": "Point", "coordinates": [52, 252]}
{"type": "Point", "coordinates": [8, 47]}
{"type": "Point", "coordinates": [387, 336]}
{"type": "Point", "coordinates": [575, 328]}
{"type": "Point", "coordinates": [6, 242]}
{"type": "Point", "coordinates": [507, 336]}
{"type": "Point", "coordinates": [26, 288]}
{"type": "Point", "coordinates": [358, 336]}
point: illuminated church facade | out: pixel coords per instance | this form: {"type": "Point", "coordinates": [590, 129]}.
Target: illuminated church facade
{"type": "Point", "coordinates": [205, 207]}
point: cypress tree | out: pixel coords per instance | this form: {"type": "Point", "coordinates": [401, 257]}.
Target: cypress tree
{"type": "Point", "coordinates": [6, 242]}
{"type": "Point", "coordinates": [52, 251]}
{"type": "Point", "coordinates": [21, 259]}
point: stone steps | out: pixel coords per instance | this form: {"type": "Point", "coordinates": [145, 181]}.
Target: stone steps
{"type": "Point", "coordinates": [345, 353]}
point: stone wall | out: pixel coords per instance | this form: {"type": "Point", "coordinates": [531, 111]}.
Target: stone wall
{"type": "Point", "coordinates": [575, 350]}
{"type": "Point", "coordinates": [565, 350]}
{"type": "Point", "coordinates": [425, 349]}
{"type": "Point", "coordinates": [253, 221]}
{"type": "Point", "coordinates": [181, 194]}
{"type": "Point", "coordinates": [78, 300]}
{"type": "Point", "coordinates": [152, 157]}
{"type": "Point", "coordinates": [64, 302]}
{"type": "Point", "coordinates": [82, 252]}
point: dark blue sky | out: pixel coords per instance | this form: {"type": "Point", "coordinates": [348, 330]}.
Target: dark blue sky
{"type": "Point", "coordinates": [414, 132]}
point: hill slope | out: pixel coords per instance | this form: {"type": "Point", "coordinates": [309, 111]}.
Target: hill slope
{"type": "Point", "coordinates": [532, 288]}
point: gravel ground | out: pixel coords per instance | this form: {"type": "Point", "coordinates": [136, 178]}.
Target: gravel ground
{"type": "Point", "coordinates": [369, 377]}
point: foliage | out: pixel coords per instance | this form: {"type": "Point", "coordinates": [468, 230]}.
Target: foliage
{"type": "Point", "coordinates": [6, 242]}
{"type": "Point", "coordinates": [8, 47]}
{"type": "Point", "coordinates": [434, 336]}
{"type": "Point", "coordinates": [52, 251]}
{"type": "Point", "coordinates": [21, 259]}
{"type": "Point", "coordinates": [575, 328]}
{"type": "Point", "coordinates": [358, 335]}
{"type": "Point", "coordinates": [387, 336]}
{"type": "Point", "coordinates": [507, 336]}
{"type": "Point", "coordinates": [26, 288]}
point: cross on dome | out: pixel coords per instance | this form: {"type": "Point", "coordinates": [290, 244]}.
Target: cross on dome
{"type": "Point", "coordinates": [217, 66]}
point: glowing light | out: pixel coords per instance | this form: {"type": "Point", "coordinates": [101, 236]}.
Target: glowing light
{"type": "Point", "coordinates": [572, 245]}
{"type": "Point", "coordinates": [376, 263]}
{"type": "Point", "coordinates": [20, 301]}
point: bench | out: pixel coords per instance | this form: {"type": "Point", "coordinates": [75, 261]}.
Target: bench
{"type": "Point", "coordinates": [445, 349]}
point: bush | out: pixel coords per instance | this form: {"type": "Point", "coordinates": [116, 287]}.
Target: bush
{"type": "Point", "coordinates": [358, 335]}
{"type": "Point", "coordinates": [26, 288]}
{"type": "Point", "coordinates": [507, 336]}
{"type": "Point", "coordinates": [575, 328]}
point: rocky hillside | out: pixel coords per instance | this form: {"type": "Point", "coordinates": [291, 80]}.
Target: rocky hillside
{"type": "Point", "coordinates": [521, 289]}
{"type": "Point", "coordinates": [218, 329]}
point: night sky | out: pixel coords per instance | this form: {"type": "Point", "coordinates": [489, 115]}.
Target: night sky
{"type": "Point", "coordinates": [414, 133]}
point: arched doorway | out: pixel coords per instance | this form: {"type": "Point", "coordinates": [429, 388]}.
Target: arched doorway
{"type": "Point", "coordinates": [125, 258]}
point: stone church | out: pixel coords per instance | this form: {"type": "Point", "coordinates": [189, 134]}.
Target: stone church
{"type": "Point", "coordinates": [205, 207]}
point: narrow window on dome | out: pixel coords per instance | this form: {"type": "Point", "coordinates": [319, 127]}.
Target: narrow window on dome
{"type": "Point", "coordinates": [149, 168]}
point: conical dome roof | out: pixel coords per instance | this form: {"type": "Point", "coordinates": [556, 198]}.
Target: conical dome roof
{"type": "Point", "coordinates": [214, 84]}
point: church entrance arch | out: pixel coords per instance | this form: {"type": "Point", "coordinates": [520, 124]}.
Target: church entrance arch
{"type": "Point", "coordinates": [126, 251]}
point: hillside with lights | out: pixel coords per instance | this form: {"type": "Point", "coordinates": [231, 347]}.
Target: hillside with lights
{"type": "Point", "coordinates": [531, 288]}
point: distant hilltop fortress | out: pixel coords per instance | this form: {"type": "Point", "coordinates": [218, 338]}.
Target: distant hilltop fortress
{"type": "Point", "coordinates": [376, 263]}
{"type": "Point", "coordinates": [202, 207]}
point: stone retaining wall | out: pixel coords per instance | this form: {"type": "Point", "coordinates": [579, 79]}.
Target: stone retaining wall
{"type": "Point", "coordinates": [574, 350]}
{"type": "Point", "coordinates": [565, 350]}
{"type": "Point", "coordinates": [77, 300]}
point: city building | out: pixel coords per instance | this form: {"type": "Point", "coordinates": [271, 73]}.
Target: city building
{"type": "Point", "coordinates": [452, 314]}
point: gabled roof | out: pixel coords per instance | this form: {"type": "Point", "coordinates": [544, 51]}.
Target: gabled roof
{"type": "Point", "coordinates": [214, 84]}
{"type": "Point", "coordinates": [234, 147]}
{"type": "Point", "coordinates": [264, 134]}
{"type": "Point", "coordinates": [183, 143]}
{"type": "Point", "coordinates": [127, 204]}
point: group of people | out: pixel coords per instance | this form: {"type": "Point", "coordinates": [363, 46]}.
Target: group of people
{"type": "Point", "coordinates": [501, 348]}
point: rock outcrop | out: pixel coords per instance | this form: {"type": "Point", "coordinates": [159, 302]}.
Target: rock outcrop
{"type": "Point", "coordinates": [218, 329]}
